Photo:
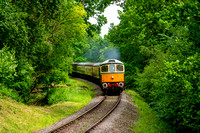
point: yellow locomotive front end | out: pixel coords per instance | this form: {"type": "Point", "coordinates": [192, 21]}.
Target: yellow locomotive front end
{"type": "Point", "coordinates": [112, 76]}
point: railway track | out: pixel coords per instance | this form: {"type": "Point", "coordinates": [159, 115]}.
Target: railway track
{"type": "Point", "coordinates": [88, 120]}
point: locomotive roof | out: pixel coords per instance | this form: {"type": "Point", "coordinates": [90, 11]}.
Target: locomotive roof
{"type": "Point", "coordinates": [112, 61]}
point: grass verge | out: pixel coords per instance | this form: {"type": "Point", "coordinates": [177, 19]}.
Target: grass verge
{"type": "Point", "coordinates": [18, 117]}
{"type": "Point", "coordinates": [147, 122]}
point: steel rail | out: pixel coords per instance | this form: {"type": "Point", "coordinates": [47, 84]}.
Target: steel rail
{"type": "Point", "coordinates": [103, 117]}
{"type": "Point", "coordinates": [78, 117]}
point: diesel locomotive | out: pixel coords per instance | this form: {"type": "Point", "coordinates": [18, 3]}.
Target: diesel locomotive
{"type": "Point", "coordinates": [108, 74]}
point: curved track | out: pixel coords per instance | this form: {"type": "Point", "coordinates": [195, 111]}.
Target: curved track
{"type": "Point", "coordinates": [91, 118]}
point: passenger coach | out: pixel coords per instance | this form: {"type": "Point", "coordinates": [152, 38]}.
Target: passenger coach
{"type": "Point", "coordinates": [108, 74]}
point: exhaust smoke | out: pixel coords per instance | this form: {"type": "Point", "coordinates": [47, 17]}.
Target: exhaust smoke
{"type": "Point", "coordinates": [112, 53]}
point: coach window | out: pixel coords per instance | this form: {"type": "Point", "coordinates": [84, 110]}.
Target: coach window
{"type": "Point", "coordinates": [104, 69]}
{"type": "Point", "coordinates": [120, 68]}
{"type": "Point", "coordinates": [112, 68]}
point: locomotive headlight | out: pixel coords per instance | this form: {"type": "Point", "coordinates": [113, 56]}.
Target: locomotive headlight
{"type": "Point", "coordinates": [121, 84]}
{"type": "Point", "coordinates": [105, 85]}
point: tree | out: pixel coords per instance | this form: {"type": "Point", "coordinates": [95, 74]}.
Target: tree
{"type": "Point", "coordinates": [95, 8]}
{"type": "Point", "coordinates": [97, 49]}
{"type": "Point", "coordinates": [159, 46]}
{"type": "Point", "coordinates": [42, 34]}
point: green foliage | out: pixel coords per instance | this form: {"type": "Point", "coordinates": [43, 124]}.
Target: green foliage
{"type": "Point", "coordinates": [97, 45]}
{"type": "Point", "coordinates": [14, 32]}
{"type": "Point", "coordinates": [148, 122]}
{"type": "Point", "coordinates": [178, 100]}
{"type": "Point", "coordinates": [10, 93]}
{"type": "Point", "coordinates": [80, 49]}
{"type": "Point", "coordinates": [159, 45]}
{"type": "Point", "coordinates": [24, 81]}
{"type": "Point", "coordinates": [15, 75]}
{"type": "Point", "coordinates": [172, 88]}
{"type": "Point", "coordinates": [8, 66]}
{"type": "Point", "coordinates": [45, 37]}
{"type": "Point", "coordinates": [66, 94]}
{"type": "Point", "coordinates": [95, 8]}
{"type": "Point", "coordinates": [151, 74]}
{"type": "Point", "coordinates": [15, 116]}
{"type": "Point", "coordinates": [42, 34]}
{"type": "Point", "coordinates": [96, 49]}
{"type": "Point", "coordinates": [138, 29]}
{"type": "Point", "coordinates": [75, 93]}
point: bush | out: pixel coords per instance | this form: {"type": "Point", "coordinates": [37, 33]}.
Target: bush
{"type": "Point", "coordinates": [8, 73]}
{"type": "Point", "coordinates": [8, 66]}
{"type": "Point", "coordinates": [10, 93]}
{"type": "Point", "coordinates": [176, 96]}
{"type": "Point", "coordinates": [173, 91]}
{"type": "Point", "coordinates": [146, 80]}
{"type": "Point", "coordinates": [15, 76]}
{"type": "Point", "coordinates": [68, 94]}
{"type": "Point", "coordinates": [23, 80]}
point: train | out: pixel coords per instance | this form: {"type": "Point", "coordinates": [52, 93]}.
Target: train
{"type": "Point", "coordinates": [109, 75]}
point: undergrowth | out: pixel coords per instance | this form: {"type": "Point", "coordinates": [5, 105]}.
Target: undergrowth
{"type": "Point", "coordinates": [148, 122]}
{"type": "Point", "coordinates": [78, 92]}
{"type": "Point", "coordinates": [18, 117]}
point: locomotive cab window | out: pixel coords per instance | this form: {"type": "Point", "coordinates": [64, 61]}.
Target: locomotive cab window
{"type": "Point", "coordinates": [112, 68]}
{"type": "Point", "coordinates": [120, 68]}
{"type": "Point", "coordinates": [104, 69]}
